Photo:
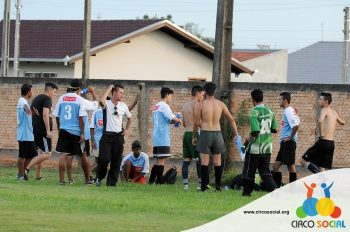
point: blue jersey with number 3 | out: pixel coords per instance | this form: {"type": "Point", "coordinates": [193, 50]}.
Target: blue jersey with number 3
{"type": "Point", "coordinates": [69, 108]}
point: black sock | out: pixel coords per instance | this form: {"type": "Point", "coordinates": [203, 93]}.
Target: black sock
{"type": "Point", "coordinates": [185, 170]}
{"type": "Point", "coordinates": [277, 177]}
{"type": "Point", "coordinates": [205, 177]}
{"type": "Point", "coordinates": [153, 175]}
{"type": "Point", "coordinates": [248, 186]}
{"type": "Point", "coordinates": [218, 174]}
{"type": "Point", "coordinates": [198, 165]}
{"type": "Point", "coordinates": [292, 177]}
{"type": "Point", "coordinates": [313, 168]}
{"type": "Point", "coordinates": [160, 174]}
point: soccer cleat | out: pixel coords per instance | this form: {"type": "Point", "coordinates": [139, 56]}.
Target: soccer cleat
{"type": "Point", "coordinates": [89, 182]}
{"type": "Point", "coordinates": [98, 182]}
{"type": "Point", "coordinates": [70, 181]}
{"type": "Point", "coordinates": [92, 179]}
{"type": "Point", "coordinates": [39, 178]}
{"type": "Point", "coordinates": [186, 187]}
{"type": "Point", "coordinates": [25, 177]}
{"type": "Point", "coordinates": [62, 183]}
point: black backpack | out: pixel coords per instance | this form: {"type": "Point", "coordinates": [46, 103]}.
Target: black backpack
{"type": "Point", "coordinates": [170, 176]}
{"type": "Point", "coordinates": [237, 183]}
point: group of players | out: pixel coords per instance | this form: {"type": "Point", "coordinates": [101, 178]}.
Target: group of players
{"type": "Point", "coordinates": [202, 137]}
{"type": "Point", "coordinates": [207, 113]}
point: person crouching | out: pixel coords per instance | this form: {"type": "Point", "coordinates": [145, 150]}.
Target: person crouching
{"type": "Point", "coordinates": [135, 166]}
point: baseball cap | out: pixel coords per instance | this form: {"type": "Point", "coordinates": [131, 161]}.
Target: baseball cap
{"type": "Point", "coordinates": [75, 84]}
{"type": "Point", "coordinates": [136, 144]}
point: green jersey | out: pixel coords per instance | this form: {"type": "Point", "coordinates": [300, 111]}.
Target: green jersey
{"type": "Point", "coordinates": [262, 120]}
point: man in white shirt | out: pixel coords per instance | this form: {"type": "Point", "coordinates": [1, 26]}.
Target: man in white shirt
{"type": "Point", "coordinates": [112, 141]}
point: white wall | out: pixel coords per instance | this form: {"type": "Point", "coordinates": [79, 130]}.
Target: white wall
{"type": "Point", "coordinates": [48, 67]}
{"type": "Point", "coordinates": [152, 56]}
{"type": "Point", "coordinates": [272, 68]}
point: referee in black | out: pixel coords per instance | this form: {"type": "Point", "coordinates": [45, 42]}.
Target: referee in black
{"type": "Point", "coordinates": [112, 141]}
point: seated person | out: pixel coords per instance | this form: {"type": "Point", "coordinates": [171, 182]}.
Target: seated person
{"type": "Point", "coordinates": [135, 165]}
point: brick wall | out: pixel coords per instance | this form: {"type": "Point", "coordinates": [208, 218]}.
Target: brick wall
{"type": "Point", "coordinates": [304, 98]}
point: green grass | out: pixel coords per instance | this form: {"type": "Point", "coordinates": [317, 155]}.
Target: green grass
{"type": "Point", "coordinates": [46, 206]}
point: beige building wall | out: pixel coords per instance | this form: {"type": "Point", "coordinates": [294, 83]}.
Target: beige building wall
{"type": "Point", "coordinates": [271, 68]}
{"type": "Point", "coordinates": [152, 56]}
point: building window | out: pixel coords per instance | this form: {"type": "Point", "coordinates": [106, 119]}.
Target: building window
{"type": "Point", "coordinates": [40, 74]}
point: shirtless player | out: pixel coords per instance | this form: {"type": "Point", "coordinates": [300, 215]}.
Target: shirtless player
{"type": "Point", "coordinates": [207, 117]}
{"type": "Point", "coordinates": [319, 157]}
{"type": "Point", "coordinates": [188, 149]}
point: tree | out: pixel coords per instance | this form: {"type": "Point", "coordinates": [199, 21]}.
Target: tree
{"type": "Point", "coordinates": [194, 29]}
{"type": "Point", "coordinates": [167, 17]}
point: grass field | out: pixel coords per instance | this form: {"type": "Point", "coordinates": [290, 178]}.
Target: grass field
{"type": "Point", "coordinates": [46, 206]}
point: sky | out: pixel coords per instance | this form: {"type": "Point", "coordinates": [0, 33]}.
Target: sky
{"type": "Point", "coordinates": [279, 24]}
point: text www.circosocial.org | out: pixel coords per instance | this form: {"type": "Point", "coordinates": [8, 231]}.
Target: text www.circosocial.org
{"type": "Point", "coordinates": [284, 212]}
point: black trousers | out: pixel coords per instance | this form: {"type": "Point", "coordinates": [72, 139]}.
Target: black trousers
{"type": "Point", "coordinates": [260, 162]}
{"type": "Point", "coordinates": [111, 148]}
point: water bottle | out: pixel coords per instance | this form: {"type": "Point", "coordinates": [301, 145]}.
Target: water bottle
{"type": "Point", "coordinates": [240, 147]}
{"type": "Point", "coordinates": [84, 91]}
{"type": "Point", "coordinates": [177, 124]}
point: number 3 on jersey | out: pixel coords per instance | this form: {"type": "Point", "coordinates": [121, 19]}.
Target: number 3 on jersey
{"type": "Point", "coordinates": [68, 114]}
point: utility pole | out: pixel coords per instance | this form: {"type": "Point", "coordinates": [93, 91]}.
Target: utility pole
{"type": "Point", "coordinates": [223, 47]}
{"type": "Point", "coordinates": [222, 69]}
{"type": "Point", "coordinates": [346, 46]}
{"type": "Point", "coordinates": [86, 41]}
{"type": "Point", "coordinates": [218, 46]}
{"type": "Point", "coordinates": [17, 39]}
{"type": "Point", "coordinates": [5, 39]}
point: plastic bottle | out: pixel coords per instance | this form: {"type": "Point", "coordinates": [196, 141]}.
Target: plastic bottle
{"type": "Point", "coordinates": [177, 124]}
{"type": "Point", "coordinates": [240, 147]}
{"type": "Point", "coordinates": [84, 91]}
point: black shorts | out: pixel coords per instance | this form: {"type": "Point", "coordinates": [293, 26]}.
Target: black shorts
{"type": "Point", "coordinates": [161, 152]}
{"type": "Point", "coordinates": [43, 143]}
{"type": "Point", "coordinates": [69, 143]}
{"type": "Point", "coordinates": [256, 161]}
{"type": "Point", "coordinates": [321, 153]}
{"type": "Point", "coordinates": [27, 149]}
{"type": "Point", "coordinates": [286, 154]}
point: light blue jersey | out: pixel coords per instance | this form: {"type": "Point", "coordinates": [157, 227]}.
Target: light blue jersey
{"type": "Point", "coordinates": [161, 118]}
{"type": "Point", "coordinates": [86, 128]}
{"type": "Point", "coordinates": [141, 162]}
{"type": "Point", "coordinates": [24, 121]}
{"type": "Point", "coordinates": [97, 125]}
{"type": "Point", "coordinates": [290, 120]}
{"type": "Point", "coordinates": [69, 108]}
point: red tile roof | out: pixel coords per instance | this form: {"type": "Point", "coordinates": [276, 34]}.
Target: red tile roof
{"type": "Point", "coordinates": [54, 39]}
{"type": "Point", "coordinates": [247, 55]}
